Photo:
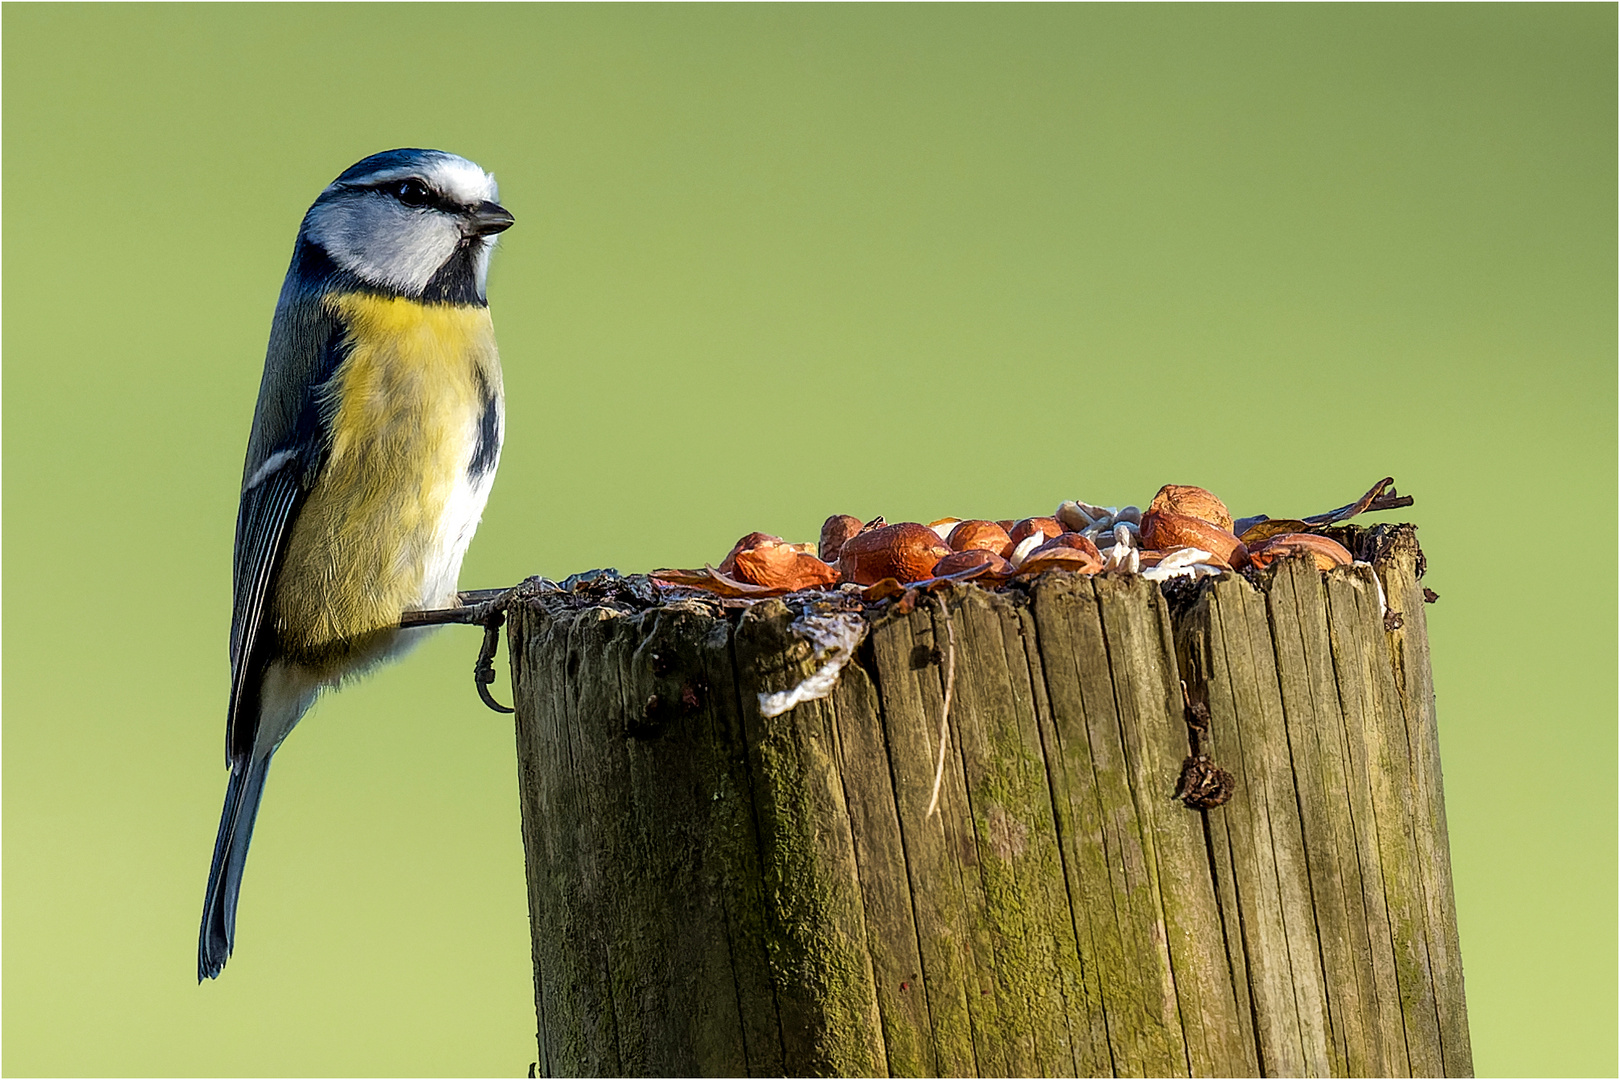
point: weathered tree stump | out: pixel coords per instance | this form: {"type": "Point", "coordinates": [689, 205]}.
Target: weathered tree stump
{"type": "Point", "coordinates": [717, 892]}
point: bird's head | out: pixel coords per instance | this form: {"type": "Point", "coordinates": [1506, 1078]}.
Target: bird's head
{"type": "Point", "coordinates": [419, 223]}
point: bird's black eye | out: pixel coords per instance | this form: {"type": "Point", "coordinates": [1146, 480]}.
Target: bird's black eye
{"type": "Point", "coordinates": [412, 193]}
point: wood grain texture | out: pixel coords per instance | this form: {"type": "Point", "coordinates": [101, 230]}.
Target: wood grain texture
{"type": "Point", "coordinates": [1271, 888]}
{"type": "Point", "coordinates": [1378, 740]}
{"type": "Point", "coordinates": [1316, 748]}
{"type": "Point", "coordinates": [717, 892]}
{"type": "Point", "coordinates": [1399, 571]}
{"type": "Point", "coordinates": [821, 964]}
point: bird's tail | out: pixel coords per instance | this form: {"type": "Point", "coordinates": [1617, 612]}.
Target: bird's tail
{"type": "Point", "coordinates": [242, 795]}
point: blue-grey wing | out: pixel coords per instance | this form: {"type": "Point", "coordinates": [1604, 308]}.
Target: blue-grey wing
{"type": "Point", "coordinates": [285, 453]}
{"type": "Point", "coordinates": [263, 522]}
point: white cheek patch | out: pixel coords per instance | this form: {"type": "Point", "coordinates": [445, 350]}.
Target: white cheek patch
{"type": "Point", "coordinates": [383, 243]}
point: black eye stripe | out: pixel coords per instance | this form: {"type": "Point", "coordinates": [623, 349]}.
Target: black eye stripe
{"type": "Point", "coordinates": [416, 194]}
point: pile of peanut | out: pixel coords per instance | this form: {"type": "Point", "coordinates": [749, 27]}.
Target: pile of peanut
{"type": "Point", "coordinates": [1185, 531]}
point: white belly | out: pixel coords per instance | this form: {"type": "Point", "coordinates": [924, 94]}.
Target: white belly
{"type": "Point", "coordinates": [447, 545]}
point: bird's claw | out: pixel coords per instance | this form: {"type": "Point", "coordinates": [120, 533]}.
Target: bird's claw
{"type": "Point", "coordinates": [484, 670]}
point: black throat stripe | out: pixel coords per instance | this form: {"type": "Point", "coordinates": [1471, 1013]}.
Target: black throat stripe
{"type": "Point", "coordinates": [456, 282]}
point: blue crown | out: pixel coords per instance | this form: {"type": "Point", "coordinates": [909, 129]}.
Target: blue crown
{"type": "Point", "coordinates": [389, 160]}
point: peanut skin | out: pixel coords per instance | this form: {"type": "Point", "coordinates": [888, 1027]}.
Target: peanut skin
{"type": "Point", "coordinates": [1165, 531]}
{"type": "Point", "coordinates": [834, 531]}
{"type": "Point", "coordinates": [907, 551]}
{"type": "Point", "coordinates": [981, 535]}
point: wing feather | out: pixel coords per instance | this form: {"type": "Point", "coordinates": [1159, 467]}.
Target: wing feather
{"type": "Point", "coordinates": [262, 524]}
{"type": "Point", "coordinates": [285, 452]}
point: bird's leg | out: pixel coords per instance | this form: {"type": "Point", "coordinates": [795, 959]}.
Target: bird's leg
{"type": "Point", "coordinates": [484, 670]}
{"type": "Point", "coordinates": [486, 608]}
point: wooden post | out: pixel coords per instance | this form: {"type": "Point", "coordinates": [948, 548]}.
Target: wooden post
{"type": "Point", "coordinates": [715, 891]}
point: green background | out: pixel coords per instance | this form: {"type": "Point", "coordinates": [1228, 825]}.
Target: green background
{"type": "Point", "coordinates": [773, 263]}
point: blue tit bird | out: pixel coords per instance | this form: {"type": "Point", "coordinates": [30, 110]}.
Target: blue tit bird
{"type": "Point", "coordinates": [374, 445]}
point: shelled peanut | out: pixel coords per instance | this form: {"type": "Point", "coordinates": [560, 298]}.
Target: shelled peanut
{"type": "Point", "coordinates": [1184, 531]}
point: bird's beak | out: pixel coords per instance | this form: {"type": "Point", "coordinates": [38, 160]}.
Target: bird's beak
{"type": "Point", "coordinates": [487, 219]}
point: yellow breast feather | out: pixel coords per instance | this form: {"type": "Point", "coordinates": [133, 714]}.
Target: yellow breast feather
{"type": "Point", "coordinates": [403, 411]}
